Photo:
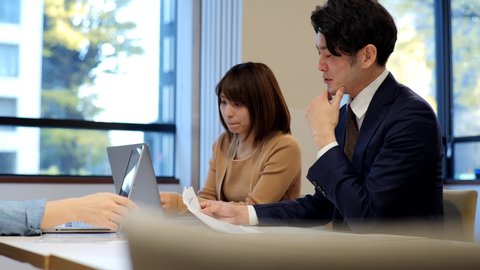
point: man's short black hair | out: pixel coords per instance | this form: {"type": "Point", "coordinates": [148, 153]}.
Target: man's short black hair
{"type": "Point", "coordinates": [350, 25]}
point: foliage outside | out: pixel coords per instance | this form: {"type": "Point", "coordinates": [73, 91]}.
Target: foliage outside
{"type": "Point", "coordinates": [78, 36]}
{"type": "Point", "coordinates": [413, 63]}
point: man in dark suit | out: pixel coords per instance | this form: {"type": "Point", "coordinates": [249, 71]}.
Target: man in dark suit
{"type": "Point", "coordinates": [379, 165]}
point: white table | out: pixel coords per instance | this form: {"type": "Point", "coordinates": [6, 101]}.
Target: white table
{"type": "Point", "coordinates": [109, 251]}
{"type": "Point", "coordinates": [69, 251]}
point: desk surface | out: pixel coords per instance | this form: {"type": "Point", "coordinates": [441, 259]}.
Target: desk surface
{"type": "Point", "coordinates": [69, 251]}
{"type": "Point", "coordinates": [281, 248]}
{"type": "Point", "coordinates": [110, 251]}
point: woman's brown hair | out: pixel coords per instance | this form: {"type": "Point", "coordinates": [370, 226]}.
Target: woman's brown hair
{"type": "Point", "coordinates": [255, 86]}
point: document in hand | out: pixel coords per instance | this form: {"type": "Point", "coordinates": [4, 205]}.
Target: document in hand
{"type": "Point", "coordinates": [193, 205]}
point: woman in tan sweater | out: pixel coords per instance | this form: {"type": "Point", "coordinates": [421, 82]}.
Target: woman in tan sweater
{"type": "Point", "coordinates": [256, 159]}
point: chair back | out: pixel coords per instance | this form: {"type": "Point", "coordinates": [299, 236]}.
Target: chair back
{"type": "Point", "coordinates": [459, 207]}
{"type": "Point", "coordinates": [159, 242]}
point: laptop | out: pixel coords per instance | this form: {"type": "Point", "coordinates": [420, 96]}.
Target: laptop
{"type": "Point", "coordinates": [133, 174]}
{"type": "Point", "coordinates": [133, 177]}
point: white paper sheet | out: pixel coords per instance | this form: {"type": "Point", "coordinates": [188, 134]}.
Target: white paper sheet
{"type": "Point", "coordinates": [190, 199]}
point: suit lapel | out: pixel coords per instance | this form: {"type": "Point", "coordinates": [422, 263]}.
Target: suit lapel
{"type": "Point", "coordinates": [376, 112]}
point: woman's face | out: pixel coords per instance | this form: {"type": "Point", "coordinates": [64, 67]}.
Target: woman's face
{"type": "Point", "coordinates": [236, 116]}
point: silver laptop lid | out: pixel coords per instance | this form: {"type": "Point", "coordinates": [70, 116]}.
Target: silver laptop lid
{"type": "Point", "coordinates": [133, 174]}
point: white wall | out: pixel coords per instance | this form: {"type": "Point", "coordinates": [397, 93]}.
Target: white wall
{"type": "Point", "coordinates": [279, 34]}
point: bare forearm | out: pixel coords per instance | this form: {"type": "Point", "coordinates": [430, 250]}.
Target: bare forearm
{"type": "Point", "coordinates": [58, 212]}
{"type": "Point", "coordinates": [100, 209]}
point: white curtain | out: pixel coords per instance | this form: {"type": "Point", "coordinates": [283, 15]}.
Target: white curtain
{"type": "Point", "coordinates": [221, 32]}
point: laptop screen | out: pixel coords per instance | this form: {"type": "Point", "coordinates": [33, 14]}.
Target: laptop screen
{"type": "Point", "coordinates": [130, 171]}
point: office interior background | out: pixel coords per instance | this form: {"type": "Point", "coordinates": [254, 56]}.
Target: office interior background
{"type": "Point", "coordinates": [77, 76]}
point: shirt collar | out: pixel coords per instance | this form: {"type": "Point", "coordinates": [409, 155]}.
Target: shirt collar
{"type": "Point", "coordinates": [360, 104]}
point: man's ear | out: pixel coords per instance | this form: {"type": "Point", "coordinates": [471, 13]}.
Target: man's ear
{"type": "Point", "coordinates": [368, 55]}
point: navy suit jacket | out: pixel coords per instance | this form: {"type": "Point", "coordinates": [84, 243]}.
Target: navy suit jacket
{"type": "Point", "coordinates": [395, 174]}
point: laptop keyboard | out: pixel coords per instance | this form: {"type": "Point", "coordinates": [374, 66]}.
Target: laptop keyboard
{"type": "Point", "coordinates": [77, 224]}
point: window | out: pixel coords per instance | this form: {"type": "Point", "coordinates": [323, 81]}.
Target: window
{"type": "Point", "coordinates": [438, 55]}
{"type": "Point", "coordinates": [465, 97]}
{"type": "Point", "coordinates": [107, 77]}
{"type": "Point", "coordinates": [8, 164]}
{"type": "Point", "coordinates": [9, 64]}
{"type": "Point", "coordinates": [10, 11]}
{"type": "Point", "coordinates": [8, 107]}
{"type": "Point", "coordinates": [413, 61]}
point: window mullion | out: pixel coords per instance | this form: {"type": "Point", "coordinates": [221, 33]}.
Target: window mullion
{"type": "Point", "coordinates": [444, 78]}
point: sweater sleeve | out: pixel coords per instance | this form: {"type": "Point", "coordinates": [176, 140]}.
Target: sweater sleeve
{"type": "Point", "coordinates": [176, 204]}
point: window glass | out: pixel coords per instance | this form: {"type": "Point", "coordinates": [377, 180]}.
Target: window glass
{"type": "Point", "coordinates": [413, 63]}
{"type": "Point", "coordinates": [466, 87]}
{"type": "Point", "coordinates": [10, 11]}
{"type": "Point", "coordinates": [466, 67]}
{"type": "Point", "coordinates": [167, 98]}
{"type": "Point", "coordinates": [413, 60]}
{"type": "Point", "coordinates": [168, 11]}
{"type": "Point", "coordinates": [168, 47]}
{"type": "Point", "coordinates": [467, 161]}
{"type": "Point", "coordinates": [100, 64]}
{"type": "Point", "coordinates": [101, 61]}
{"type": "Point", "coordinates": [9, 63]}
{"type": "Point", "coordinates": [8, 107]}
{"type": "Point", "coordinates": [82, 151]}
{"type": "Point", "coordinates": [8, 161]}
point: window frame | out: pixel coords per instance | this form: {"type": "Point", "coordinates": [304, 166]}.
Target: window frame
{"type": "Point", "coordinates": [79, 124]}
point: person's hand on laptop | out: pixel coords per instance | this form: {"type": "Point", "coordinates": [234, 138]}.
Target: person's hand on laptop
{"type": "Point", "coordinates": [99, 209]}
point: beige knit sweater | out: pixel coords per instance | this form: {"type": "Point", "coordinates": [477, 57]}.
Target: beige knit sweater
{"type": "Point", "coordinates": [270, 174]}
